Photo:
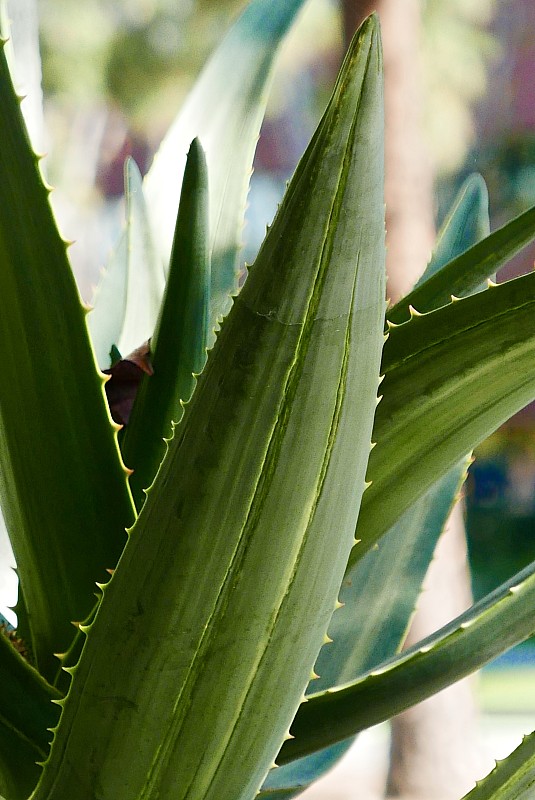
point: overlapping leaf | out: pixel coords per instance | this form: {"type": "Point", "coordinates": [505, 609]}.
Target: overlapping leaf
{"type": "Point", "coordinates": [26, 715]}
{"type": "Point", "coordinates": [468, 270]}
{"type": "Point", "coordinates": [499, 621]}
{"type": "Point", "coordinates": [513, 778]}
{"type": "Point", "coordinates": [62, 485]}
{"type": "Point", "coordinates": [178, 347]}
{"type": "Point", "coordinates": [451, 378]}
{"type": "Point", "coordinates": [230, 549]}
{"type": "Point", "coordinates": [225, 111]}
{"type": "Point", "coordinates": [379, 593]}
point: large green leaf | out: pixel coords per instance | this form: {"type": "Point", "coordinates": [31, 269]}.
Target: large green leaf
{"type": "Point", "coordinates": [379, 594]}
{"type": "Point", "coordinates": [451, 378]}
{"type": "Point", "coordinates": [466, 224]}
{"type": "Point", "coordinates": [127, 301]}
{"type": "Point", "coordinates": [468, 270]}
{"type": "Point", "coordinates": [26, 712]}
{"type": "Point", "coordinates": [222, 595]}
{"type": "Point", "coordinates": [109, 301]}
{"type": "Point", "coordinates": [513, 778]}
{"type": "Point", "coordinates": [62, 485]}
{"type": "Point", "coordinates": [499, 621]}
{"type": "Point", "coordinates": [225, 111]}
{"type": "Point", "coordinates": [178, 347]}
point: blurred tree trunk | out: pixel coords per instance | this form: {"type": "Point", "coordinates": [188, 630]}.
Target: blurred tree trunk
{"type": "Point", "coordinates": [434, 749]}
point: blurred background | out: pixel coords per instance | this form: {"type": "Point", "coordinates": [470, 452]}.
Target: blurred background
{"type": "Point", "coordinates": [114, 76]}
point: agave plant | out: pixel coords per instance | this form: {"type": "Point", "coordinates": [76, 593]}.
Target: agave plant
{"type": "Point", "coordinates": [199, 632]}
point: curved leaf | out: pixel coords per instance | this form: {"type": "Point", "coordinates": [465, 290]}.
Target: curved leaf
{"type": "Point", "coordinates": [499, 621]}
{"type": "Point", "coordinates": [379, 596]}
{"type": "Point", "coordinates": [466, 224]}
{"type": "Point", "coordinates": [273, 441]}
{"type": "Point", "coordinates": [127, 300]}
{"type": "Point", "coordinates": [466, 272]}
{"type": "Point", "coordinates": [451, 378]}
{"type": "Point", "coordinates": [26, 714]}
{"type": "Point", "coordinates": [178, 347]}
{"type": "Point", "coordinates": [63, 488]}
{"type": "Point", "coordinates": [513, 778]}
{"type": "Point", "coordinates": [225, 111]}
{"type": "Point", "coordinates": [379, 593]}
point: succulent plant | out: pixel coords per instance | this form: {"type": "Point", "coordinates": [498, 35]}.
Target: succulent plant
{"type": "Point", "coordinates": [256, 505]}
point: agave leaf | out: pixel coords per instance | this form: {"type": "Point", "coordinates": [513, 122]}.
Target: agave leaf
{"type": "Point", "coordinates": [468, 270]}
{"type": "Point", "coordinates": [493, 625]}
{"type": "Point", "coordinates": [466, 224]}
{"type": "Point", "coordinates": [178, 347]}
{"type": "Point", "coordinates": [26, 712]}
{"type": "Point", "coordinates": [379, 596]}
{"type": "Point", "coordinates": [109, 303]}
{"type": "Point", "coordinates": [26, 715]}
{"type": "Point", "coordinates": [379, 593]}
{"type": "Point", "coordinates": [451, 378]}
{"type": "Point", "coordinates": [127, 302]}
{"type": "Point", "coordinates": [59, 461]}
{"type": "Point", "coordinates": [273, 441]}
{"type": "Point", "coordinates": [145, 275]}
{"type": "Point", "coordinates": [512, 779]}
{"type": "Point", "coordinates": [225, 111]}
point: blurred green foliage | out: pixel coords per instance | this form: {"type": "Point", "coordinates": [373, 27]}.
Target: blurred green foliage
{"type": "Point", "coordinates": [142, 55]}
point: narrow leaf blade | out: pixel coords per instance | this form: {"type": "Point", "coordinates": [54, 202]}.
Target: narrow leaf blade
{"type": "Point", "coordinates": [272, 442]}
{"type": "Point", "coordinates": [469, 269]}
{"type": "Point", "coordinates": [379, 596]}
{"type": "Point", "coordinates": [512, 779]}
{"type": "Point", "coordinates": [26, 714]}
{"type": "Point", "coordinates": [178, 347]}
{"type": "Point", "coordinates": [451, 378]}
{"type": "Point", "coordinates": [225, 111]}
{"type": "Point", "coordinates": [59, 460]}
{"type": "Point", "coordinates": [499, 621]}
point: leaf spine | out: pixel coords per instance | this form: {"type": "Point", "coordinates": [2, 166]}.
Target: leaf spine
{"type": "Point", "coordinates": [414, 312]}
